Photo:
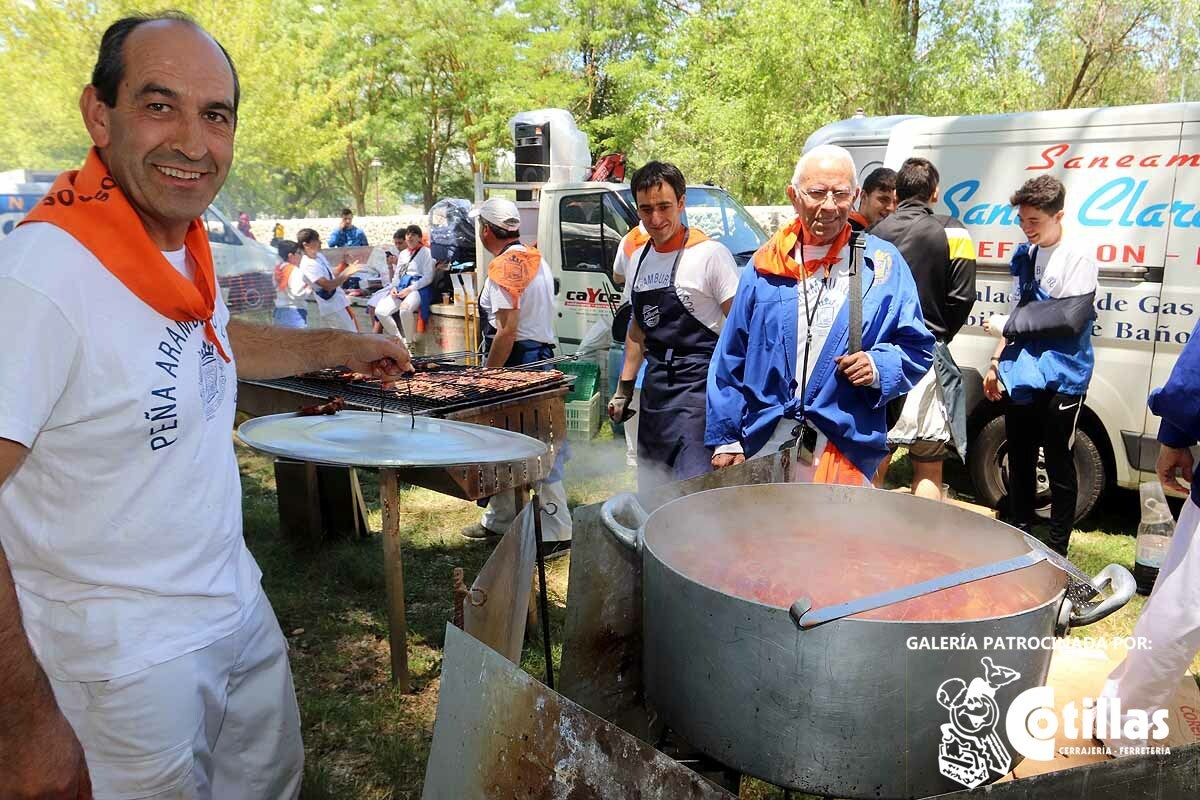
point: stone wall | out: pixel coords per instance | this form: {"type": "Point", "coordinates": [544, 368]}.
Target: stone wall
{"type": "Point", "coordinates": [379, 230]}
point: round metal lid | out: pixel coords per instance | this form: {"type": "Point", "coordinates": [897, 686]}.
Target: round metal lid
{"type": "Point", "coordinates": [362, 439]}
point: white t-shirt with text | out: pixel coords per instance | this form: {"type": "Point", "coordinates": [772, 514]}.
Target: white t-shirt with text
{"type": "Point", "coordinates": [707, 277]}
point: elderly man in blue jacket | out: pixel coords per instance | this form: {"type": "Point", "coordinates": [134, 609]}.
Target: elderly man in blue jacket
{"type": "Point", "coordinates": [782, 373]}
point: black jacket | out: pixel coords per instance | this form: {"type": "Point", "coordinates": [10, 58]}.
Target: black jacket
{"type": "Point", "coordinates": [941, 255]}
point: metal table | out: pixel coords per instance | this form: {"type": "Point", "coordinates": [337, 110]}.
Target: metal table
{"type": "Point", "coordinates": [472, 481]}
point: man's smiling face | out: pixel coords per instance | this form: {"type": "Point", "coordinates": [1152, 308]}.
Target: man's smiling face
{"type": "Point", "coordinates": [168, 141]}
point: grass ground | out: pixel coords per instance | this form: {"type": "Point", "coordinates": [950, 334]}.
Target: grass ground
{"type": "Point", "coordinates": [366, 741]}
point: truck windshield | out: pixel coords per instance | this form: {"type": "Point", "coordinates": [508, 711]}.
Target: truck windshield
{"type": "Point", "coordinates": [715, 212]}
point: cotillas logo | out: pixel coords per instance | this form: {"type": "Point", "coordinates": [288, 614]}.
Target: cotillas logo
{"type": "Point", "coordinates": [1032, 722]}
{"type": "Point", "coordinates": [970, 747]}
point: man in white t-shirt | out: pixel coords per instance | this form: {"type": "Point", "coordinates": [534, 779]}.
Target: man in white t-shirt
{"type": "Point", "coordinates": [138, 654]}
{"type": "Point", "coordinates": [680, 284]}
{"type": "Point", "coordinates": [1044, 359]}
{"type": "Point", "coordinates": [411, 290]}
{"type": "Point", "coordinates": [518, 299]}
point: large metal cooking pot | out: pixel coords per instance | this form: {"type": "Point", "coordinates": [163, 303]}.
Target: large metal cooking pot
{"type": "Point", "coordinates": [901, 702]}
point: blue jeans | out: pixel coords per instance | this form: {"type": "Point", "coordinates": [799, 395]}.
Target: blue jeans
{"type": "Point", "coordinates": [291, 317]}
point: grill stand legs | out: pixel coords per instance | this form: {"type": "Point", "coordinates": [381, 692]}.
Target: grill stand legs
{"type": "Point", "coordinates": [389, 491]}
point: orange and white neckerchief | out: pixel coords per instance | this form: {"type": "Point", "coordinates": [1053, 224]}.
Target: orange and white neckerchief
{"type": "Point", "coordinates": [89, 206]}
{"type": "Point", "coordinates": [513, 270]}
{"type": "Point", "coordinates": [775, 257]}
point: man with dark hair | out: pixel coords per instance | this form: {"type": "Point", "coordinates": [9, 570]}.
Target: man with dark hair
{"type": "Point", "coordinates": [680, 288]}
{"type": "Point", "coordinates": [1044, 360]}
{"type": "Point", "coordinates": [878, 199]}
{"type": "Point", "coordinates": [347, 235]}
{"type": "Point", "coordinates": [932, 419]}
{"type": "Point", "coordinates": [138, 653]}
{"type": "Point", "coordinates": [411, 289]}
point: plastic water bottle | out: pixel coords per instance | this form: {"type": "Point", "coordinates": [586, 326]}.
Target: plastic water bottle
{"type": "Point", "coordinates": [1154, 536]}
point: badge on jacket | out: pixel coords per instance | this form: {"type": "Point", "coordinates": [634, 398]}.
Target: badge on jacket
{"type": "Point", "coordinates": [883, 265]}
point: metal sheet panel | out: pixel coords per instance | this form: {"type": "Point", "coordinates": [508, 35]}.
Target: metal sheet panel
{"type": "Point", "coordinates": [501, 735]}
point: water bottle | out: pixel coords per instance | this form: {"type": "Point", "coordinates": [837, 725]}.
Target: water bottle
{"type": "Point", "coordinates": [1153, 537]}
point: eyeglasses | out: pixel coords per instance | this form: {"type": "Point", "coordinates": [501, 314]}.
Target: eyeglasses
{"type": "Point", "coordinates": [840, 196]}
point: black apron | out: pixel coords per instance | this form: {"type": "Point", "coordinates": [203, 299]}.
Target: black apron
{"type": "Point", "coordinates": [678, 351]}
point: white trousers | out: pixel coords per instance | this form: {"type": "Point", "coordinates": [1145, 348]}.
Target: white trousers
{"type": "Point", "coordinates": [342, 320]}
{"type": "Point", "coordinates": [1148, 678]}
{"type": "Point", "coordinates": [556, 527]}
{"type": "Point", "coordinates": [407, 308]}
{"type": "Point", "coordinates": [219, 723]}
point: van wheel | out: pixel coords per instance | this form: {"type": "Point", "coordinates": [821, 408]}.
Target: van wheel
{"type": "Point", "coordinates": [989, 470]}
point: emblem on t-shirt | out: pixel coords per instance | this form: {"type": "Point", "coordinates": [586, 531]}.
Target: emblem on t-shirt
{"type": "Point", "coordinates": [650, 316]}
{"type": "Point", "coordinates": [212, 379]}
{"type": "Point", "coordinates": [883, 265]}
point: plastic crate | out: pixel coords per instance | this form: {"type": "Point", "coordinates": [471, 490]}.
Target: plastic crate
{"type": "Point", "coordinates": [583, 417]}
{"type": "Point", "coordinates": [587, 375]}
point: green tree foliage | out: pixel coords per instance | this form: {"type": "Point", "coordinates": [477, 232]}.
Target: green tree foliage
{"type": "Point", "coordinates": [729, 89]}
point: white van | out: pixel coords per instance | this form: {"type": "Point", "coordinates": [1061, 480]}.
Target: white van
{"type": "Point", "coordinates": [1132, 177]}
{"type": "Point", "coordinates": [244, 268]}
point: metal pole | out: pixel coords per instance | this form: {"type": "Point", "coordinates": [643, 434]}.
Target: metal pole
{"type": "Point", "coordinates": [543, 598]}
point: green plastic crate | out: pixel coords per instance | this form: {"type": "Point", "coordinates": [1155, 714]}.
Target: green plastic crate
{"type": "Point", "coordinates": [584, 417]}
{"type": "Point", "coordinates": [587, 375]}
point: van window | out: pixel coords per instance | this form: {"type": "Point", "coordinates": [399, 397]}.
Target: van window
{"type": "Point", "coordinates": [723, 218]}
{"type": "Point", "coordinates": [219, 231]}
{"type": "Point", "coordinates": [590, 227]}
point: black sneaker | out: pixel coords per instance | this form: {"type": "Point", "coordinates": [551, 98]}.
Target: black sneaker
{"type": "Point", "coordinates": [553, 550]}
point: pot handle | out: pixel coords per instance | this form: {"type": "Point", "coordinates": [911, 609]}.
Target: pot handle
{"type": "Point", "coordinates": [1123, 586]}
{"type": "Point", "coordinates": [625, 502]}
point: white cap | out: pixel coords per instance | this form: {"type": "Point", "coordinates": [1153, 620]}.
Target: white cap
{"type": "Point", "coordinates": [500, 212]}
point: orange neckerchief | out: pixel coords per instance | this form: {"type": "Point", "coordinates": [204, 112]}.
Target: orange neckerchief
{"type": "Point", "coordinates": [283, 274]}
{"type": "Point", "coordinates": [694, 237]}
{"type": "Point", "coordinates": [775, 257]}
{"type": "Point", "coordinates": [514, 270]}
{"type": "Point", "coordinates": [634, 241]}
{"type": "Point", "coordinates": [89, 206]}
{"type": "Point", "coordinates": [834, 467]}
{"type": "Point", "coordinates": [856, 218]}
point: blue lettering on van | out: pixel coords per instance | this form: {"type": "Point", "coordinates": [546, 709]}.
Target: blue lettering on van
{"type": "Point", "coordinates": [1114, 203]}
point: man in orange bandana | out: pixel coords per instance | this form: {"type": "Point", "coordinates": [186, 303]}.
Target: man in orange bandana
{"type": "Point", "coordinates": [783, 373]}
{"type": "Point", "coordinates": [138, 654]}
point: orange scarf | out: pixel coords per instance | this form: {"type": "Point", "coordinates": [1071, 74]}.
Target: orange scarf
{"type": "Point", "coordinates": [514, 270]}
{"type": "Point", "coordinates": [283, 274]}
{"type": "Point", "coordinates": [775, 257]}
{"type": "Point", "coordinates": [634, 241]}
{"type": "Point", "coordinates": [89, 206]}
{"type": "Point", "coordinates": [834, 467]}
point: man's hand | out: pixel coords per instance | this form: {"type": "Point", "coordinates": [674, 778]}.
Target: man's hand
{"type": "Point", "coordinates": [405, 292]}
{"type": "Point", "coordinates": [993, 389]}
{"type": "Point", "coordinates": [1171, 459]}
{"type": "Point", "coordinates": [377, 355]}
{"type": "Point", "coordinates": [350, 269]}
{"type": "Point", "coordinates": [618, 406]}
{"type": "Point", "coordinates": [857, 368]}
{"type": "Point", "coordinates": [723, 460]}
{"type": "Point", "coordinates": [391, 259]}
{"type": "Point", "coordinates": [994, 325]}
{"type": "Point", "coordinates": [43, 760]}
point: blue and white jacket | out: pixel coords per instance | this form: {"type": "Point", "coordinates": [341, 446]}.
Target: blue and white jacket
{"type": "Point", "coordinates": [752, 378]}
{"type": "Point", "coordinates": [1050, 330]}
{"type": "Point", "coordinates": [1177, 403]}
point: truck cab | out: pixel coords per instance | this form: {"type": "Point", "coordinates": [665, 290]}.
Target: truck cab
{"type": "Point", "coordinates": [578, 226]}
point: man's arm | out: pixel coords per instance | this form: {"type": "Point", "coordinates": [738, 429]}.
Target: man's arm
{"type": "Point", "coordinates": [39, 753]}
{"type": "Point", "coordinates": [506, 336]}
{"type": "Point", "coordinates": [267, 351]}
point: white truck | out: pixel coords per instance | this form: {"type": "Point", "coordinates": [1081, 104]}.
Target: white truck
{"type": "Point", "coordinates": [244, 267]}
{"type": "Point", "coordinates": [1132, 177]}
{"type": "Point", "coordinates": [578, 226]}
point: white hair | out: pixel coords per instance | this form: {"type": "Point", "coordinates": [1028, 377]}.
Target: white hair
{"type": "Point", "coordinates": [826, 152]}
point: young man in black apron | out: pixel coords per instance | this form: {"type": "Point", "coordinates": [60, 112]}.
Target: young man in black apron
{"type": "Point", "coordinates": [680, 290]}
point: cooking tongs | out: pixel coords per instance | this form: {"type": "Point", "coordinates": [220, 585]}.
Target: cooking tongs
{"type": "Point", "coordinates": [1079, 605]}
